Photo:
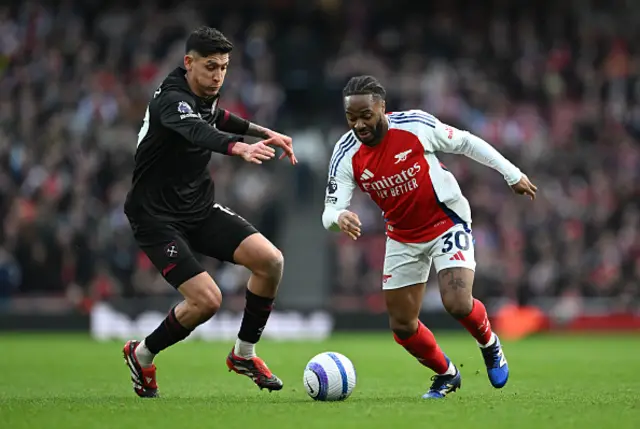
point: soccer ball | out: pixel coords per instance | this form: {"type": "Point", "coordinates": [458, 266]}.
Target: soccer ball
{"type": "Point", "coordinates": [329, 376]}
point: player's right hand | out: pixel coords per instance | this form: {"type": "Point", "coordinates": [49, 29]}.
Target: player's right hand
{"type": "Point", "coordinates": [350, 224]}
{"type": "Point", "coordinates": [255, 153]}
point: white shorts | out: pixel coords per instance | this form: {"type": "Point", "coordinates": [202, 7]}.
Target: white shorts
{"type": "Point", "coordinates": [407, 264]}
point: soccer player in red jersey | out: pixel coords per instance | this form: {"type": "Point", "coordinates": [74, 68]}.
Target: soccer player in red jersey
{"type": "Point", "coordinates": [391, 157]}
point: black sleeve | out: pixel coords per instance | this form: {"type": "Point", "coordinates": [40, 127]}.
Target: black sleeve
{"type": "Point", "coordinates": [227, 121]}
{"type": "Point", "coordinates": [177, 112]}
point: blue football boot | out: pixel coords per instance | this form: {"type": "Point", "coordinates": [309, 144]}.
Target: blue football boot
{"type": "Point", "coordinates": [443, 385]}
{"type": "Point", "coordinates": [497, 367]}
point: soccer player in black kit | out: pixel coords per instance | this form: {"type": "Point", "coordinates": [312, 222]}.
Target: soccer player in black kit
{"type": "Point", "coordinates": [173, 213]}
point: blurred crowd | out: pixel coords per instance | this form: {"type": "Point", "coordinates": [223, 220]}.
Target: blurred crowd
{"type": "Point", "coordinates": [75, 81]}
{"type": "Point", "coordinates": [553, 85]}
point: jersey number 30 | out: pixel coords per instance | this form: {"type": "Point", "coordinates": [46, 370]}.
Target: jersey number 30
{"type": "Point", "coordinates": [459, 238]}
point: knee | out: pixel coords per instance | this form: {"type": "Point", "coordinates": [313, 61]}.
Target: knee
{"type": "Point", "coordinates": [270, 265]}
{"type": "Point", "coordinates": [206, 303]}
{"type": "Point", "coordinates": [457, 305]}
{"type": "Point", "coordinates": [403, 327]}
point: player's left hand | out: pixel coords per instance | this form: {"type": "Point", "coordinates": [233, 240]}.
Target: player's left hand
{"type": "Point", "coordinates": [288, 145]}
{"type": "Point", "coordinates": [525, 187]}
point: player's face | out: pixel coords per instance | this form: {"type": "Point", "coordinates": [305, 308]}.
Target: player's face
{"type": "Point", "coordinates": [365, 115]}
{"type": "Point", "coordinates": [207, 72]}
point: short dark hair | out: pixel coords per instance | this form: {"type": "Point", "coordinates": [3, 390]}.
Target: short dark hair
{"type": "Point", "coordinates": [207, 41]}
{"type": "Point", "coordinates": [359, 85]}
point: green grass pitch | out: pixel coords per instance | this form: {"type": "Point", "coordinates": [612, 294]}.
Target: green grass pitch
{"type": "Point", "coordinates": [556, 382]}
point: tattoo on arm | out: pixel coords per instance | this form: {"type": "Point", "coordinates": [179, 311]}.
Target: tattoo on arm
{"type": "Point", "coordinates": [256, 130]}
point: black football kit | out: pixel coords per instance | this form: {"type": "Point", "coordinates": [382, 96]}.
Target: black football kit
{"type": "Point", "coordinates": [171, 204]}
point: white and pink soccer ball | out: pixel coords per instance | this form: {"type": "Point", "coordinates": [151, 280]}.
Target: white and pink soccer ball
{"type": "Point", "coordinates": [329, 376]}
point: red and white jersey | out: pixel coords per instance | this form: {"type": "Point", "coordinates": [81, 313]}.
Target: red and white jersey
{"type": "Point", "coordinates": [420, 199]}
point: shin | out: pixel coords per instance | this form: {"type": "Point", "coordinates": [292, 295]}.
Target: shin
{"type": "Point", "coordinates": [403, 306]}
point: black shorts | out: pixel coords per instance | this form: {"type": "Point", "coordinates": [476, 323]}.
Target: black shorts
{"type": "Point", "coordinates": [170, 247]}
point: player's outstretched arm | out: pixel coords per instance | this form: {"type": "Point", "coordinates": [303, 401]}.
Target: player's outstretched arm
{"type": "Point", "coordinates": [231, 123]}
{"type": "Point", "coordinates": [177, 112]}
{"type": "Point", "coordinates": [451, 140]}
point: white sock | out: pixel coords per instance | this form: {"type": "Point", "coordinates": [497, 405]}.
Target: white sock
{"type": "Point", "coordinates": [490, 343]}
{"type": "Point", "coordinates": [451, 370]}
{"type": "Point", "coordinates": [244, 349]}
{"type": "Point", "coordinates": [144, 356]}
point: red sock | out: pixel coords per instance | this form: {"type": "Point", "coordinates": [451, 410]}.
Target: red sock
{"type": "Point", "coordinates": [424, 347]}
{"type": "Point", "coordinates": [477, 323]}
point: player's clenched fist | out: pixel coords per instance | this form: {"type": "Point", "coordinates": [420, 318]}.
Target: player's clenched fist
{"type": "Point", "coordinates": [349, 223]}
{"type": "Point", "coordinates": [525, 187]}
